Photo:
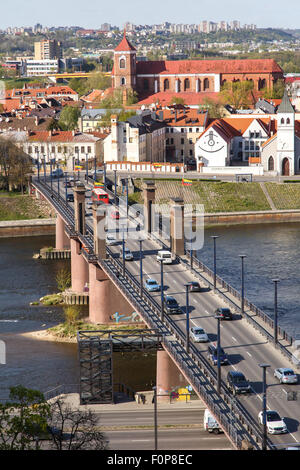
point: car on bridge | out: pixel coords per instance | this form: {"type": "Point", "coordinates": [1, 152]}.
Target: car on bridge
{"type": "Point", "coordinates": [194, 286]}
{"type": "Point", "coordinates": [70, 197]}
{"type": "Point", "coordinates": [223, 313]}
{"type": "Point", "coordinates": [198, 334]}
{"type": "Point", "coordinates": [115, 214]}
{"type": "Point", "coordinates": [286, 375]}
{"type": "Point", "coordinates": [212, 354]}
{"type": "Point", "coordinates": [110, 240]}
{"type": "Point", "coordinates": [171, 305]}
{"type": "Point", "coordinates": [237, 382]}
{"type": "Point", "coordinates": [275, 424]}
{"type": "Point", "coordinates": [151, 285]}
{"type": "Point", "coordinates": [128, 256]}
{"type": "Point", "coordinates": [165, 256]}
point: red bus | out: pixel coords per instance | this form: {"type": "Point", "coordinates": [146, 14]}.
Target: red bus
{"type": "Point", "coordinates": [100, 196]}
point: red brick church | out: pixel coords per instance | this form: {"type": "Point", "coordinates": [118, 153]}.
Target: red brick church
{"type": "Point", "coordinates": [185, 77]}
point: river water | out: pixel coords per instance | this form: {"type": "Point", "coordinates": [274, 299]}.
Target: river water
{"type": "Point", "coordinates": [273, 250]}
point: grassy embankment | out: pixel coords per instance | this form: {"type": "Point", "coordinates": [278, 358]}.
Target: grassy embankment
{"type": "Point", "coordinates": [214, 195]}
{"type": "Point", "coordinates": [15, 206]}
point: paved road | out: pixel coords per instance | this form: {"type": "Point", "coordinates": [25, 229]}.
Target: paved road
{"type": "Point", "coordinates": [245, 347]}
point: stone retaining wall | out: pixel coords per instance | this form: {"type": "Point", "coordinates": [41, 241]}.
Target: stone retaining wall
{"type": "Point", "coordinates": [24, 228]}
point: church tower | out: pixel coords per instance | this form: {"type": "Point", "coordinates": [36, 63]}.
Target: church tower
{"type": "Point", "coordinates": [285, 137]}
{"type": "Point", "coordinates": [124, 71]}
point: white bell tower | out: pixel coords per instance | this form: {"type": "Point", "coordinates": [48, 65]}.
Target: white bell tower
{"type": "Point", "coordinates": [286, 137]}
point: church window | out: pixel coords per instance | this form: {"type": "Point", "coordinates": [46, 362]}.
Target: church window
{"type": "Point", "coordinates": [166, 84]}
{"type": "Point", "coordinates": [206, 84]}
{"type": "Point", "coordinates": [288, 121]}
{"type": "Point", "coordinates": [123, 81]}
{"type": "Point", "coordinates": [122, 63]}
{"type": "Point", "coordinates": [271, 164]}
{"type": "Point", "coordinates": [186, 84]}
{"type": "Point", "coordinates": [282, 121]}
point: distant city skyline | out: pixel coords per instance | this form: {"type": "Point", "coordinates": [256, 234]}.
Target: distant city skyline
{"type": "Point", "coordinates": [77, 13]}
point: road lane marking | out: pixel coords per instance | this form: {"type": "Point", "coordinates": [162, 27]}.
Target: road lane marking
{"type": "Point", "coordinates": [233, 338]}
{"type": "Point", "coordinates": [248, 354]}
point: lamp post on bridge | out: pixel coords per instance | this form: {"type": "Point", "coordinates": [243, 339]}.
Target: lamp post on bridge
{"type": "Point", "coordinates": [243, 284]}
{"type": "Point", "coordinates": [86, 167]}
{"type": "Point", "coordinates": [187, 311]}
{"type": "Point", "coordinates": [264, 408]}
{"type": "Point", "coordinates": [58, 177]}
{"type": "Point", "coordinates": [115, 194]}
{"type": "Point", "coordinates": [162, 314]}
{"type": "Point", "coordinates": [155, 416]}
{"type": "Point", "coordinates": [44, 163]}
{"type": "Point", "coordinates": [141, 267]}
{"type": "Point", "coordinates": [214, 237]}
{"type": "Point", "coordinates": [218, 317]}
{"type": "Point", "coordinates": [275, 311]}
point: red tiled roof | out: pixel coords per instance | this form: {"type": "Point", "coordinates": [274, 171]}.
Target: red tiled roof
{"type": "Point", "coordinates": [32, 92]}
{"type": "Point", "coordinates": [189, 118]}
{"type": "Point", "coordinates": [167, 98]}
{"type": "Point", "coordinates": [208, 66]}
{"type": "Point", "coordinates": [60, 136]}
{"type": "Point", "coordinates": [125, 45]}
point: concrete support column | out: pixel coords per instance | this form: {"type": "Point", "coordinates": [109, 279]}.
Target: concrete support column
{"type": "Point", "coordinates": [79, 268]}
{"type": "Point", "coordinates": [149, 199]}
{"type": "Point", "coordinates": [168, 376]}
{"type": "Point", "coordinates": [100, 309]}
{"type": "Point", "coordinates": [79, 207]}
{"type": "Point", "coordinates": [177, 226]}
{"type": "Point", "coordinates": [99, 215]}
{"type": "Point", "coordinates": [62, 241]}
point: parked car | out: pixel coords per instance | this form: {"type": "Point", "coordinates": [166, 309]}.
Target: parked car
{"type": "Point", "coordinates": [151, 285]}
{"type": "Point", "coordinates": [70, 197]}
{"type": "Point", "coordinates": [194, 286]}
{"type": "Point", "coordinates": [275, 424]}
{"type": "Point", "coordinates": [212, 355]}
{"type": "Point", "coordinates": [209, 422]}
{"type": "Point", "coordinates": [198, 335]}
{"type": "Point", "coordinates": [237, 382]}
{"type": "Point", "coordinates": [171, 305]}
{"type": "Point", "coordinates": [286, 375]}
{"type": "Point", "coordinates": [110, 240]}
{"type": "Point", "coordinates": [223, 313]}
{"type": "Point", "coordinates": [127, 254]}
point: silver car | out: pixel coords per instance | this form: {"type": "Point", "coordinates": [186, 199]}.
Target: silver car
{"type": "Point", "coordinates": [198, 335]}
{"type": "Point", "coordinates": [128, 255]}
{"type": "Point", "coordinates": [286, 375]}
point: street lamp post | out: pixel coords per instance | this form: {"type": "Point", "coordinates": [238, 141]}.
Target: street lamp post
{"type": "Point", "coordinates": [187, 319]}
{"type": "Point", "coordinates": [127, 196]}
{"type": "Point", "coordinates": [155, 416]}
{"type": "Point", "coordinates": [95, 169]}
{"type": "Point", "coordinates": [115, 196]}
{"type": "Point", "coordinates": [162, 289]}
{"type": "Point", "coordinates": [214, 237]}
{"type": "Point", "coordinates": [243, 284]}
{"type": "Point", "coordinates": [58, 180]}
{"type": "Point", "coordinates": [141, 267]}
{"type": "Point", "coordinates": [51, 173]}
{"type": "Point", "coordinates": [218, 317]}
{"type": "Point", "coordinates": [44, 168]}
{"type": "Point", "coordinates": [275, 312]}
{"type": "Point", "coordinates": [123, 250]}
{"type": "Point", "coordinates": [66, 187]}
{"type": "Point", "coordinates": [86, 167]}
{"type": "Point", "coordinates": [104, 175]}
{"type": "Point", "coordinates": [264, 408]}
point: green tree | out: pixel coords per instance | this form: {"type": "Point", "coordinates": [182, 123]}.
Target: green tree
{"type": "Point", "coordinates": [215, 108]}
{"type": "Point", "coordinates": [68, 119]}
{"type": "Point", "coordinates": [177, 100]}
{"type": "Point", "coordinates": [237, 94]}
{"type": "Point", "coordinates": [276, 92]}
{"type": "Point", "coordinates": [63, 279]}
{"type": "Point", "coordinates": [21, 417]}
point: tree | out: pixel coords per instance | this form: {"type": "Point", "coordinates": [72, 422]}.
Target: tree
{"type": "Point", "coordinates": [68, 120]}
{"type": "Point", "coordinates": [21, 417]}
{"type": "Point", "coordinates": [63, 279]}
{"type": "Point", "coordinates": [177, 100]}
{"type": "Point", "coordinates": [237, 94]}
{"type": "Point", "coordinates": [276, 92]}
{"type": "Point", "coordinates": [215, 108]}
{"type": "Point", "coordinates": [74, 429]}
{"type": "Point", "coordinates": [15, 165]}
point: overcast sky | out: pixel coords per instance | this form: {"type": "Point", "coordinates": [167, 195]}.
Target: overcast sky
{"type": "Point", "coordinates": [278, 13]}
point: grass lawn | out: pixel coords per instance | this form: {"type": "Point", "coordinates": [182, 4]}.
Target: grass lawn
{"type": "Point", "coordinates": [14, 206]}
{"type": "Point", "coordinates": [284, 195]}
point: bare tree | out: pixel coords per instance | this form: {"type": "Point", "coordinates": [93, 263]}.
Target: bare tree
{"type": "Point", "coordinates": [73, 429]}
{"type": "Point", "coordinates": [15, 165]}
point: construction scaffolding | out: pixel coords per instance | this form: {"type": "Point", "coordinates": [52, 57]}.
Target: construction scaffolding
{"type": "Point", "coordinates": [95, 350]}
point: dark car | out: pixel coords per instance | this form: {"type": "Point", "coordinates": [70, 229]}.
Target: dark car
{"type": "Point", "coordinates": [70, 197]}
{"type": "Point", "coordinates": [237, 382]}
{"type": "Point", "coordinates": [194, 287]}
{"type": "Point", "coordinates": [212, 354]}
{"type": "Point", "coordinates": [171, 305]}
{"type": "Point", "coordinates": [67, 184]}
{"type": "Point", "coordinates": [223, 313]}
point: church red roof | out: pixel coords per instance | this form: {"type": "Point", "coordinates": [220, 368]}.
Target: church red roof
{"type": "Point", "coordinates": [208, 66]}
{"type": "Point", "coordinates": [125, 45]}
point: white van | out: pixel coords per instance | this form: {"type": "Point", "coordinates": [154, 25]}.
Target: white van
{"type": "Point", "coordinates": [166, 256]}
{"type": "Point", "coordinates": [209, 423]}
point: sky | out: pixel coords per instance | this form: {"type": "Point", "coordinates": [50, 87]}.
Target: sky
{"type": "Point", "coordinates": [278, 13]}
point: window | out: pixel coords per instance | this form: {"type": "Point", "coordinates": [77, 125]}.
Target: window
{"type": "Point", "coordinates": [130, 140]}
{"type": "Point", "coordinates": [182, 141]}
{"type": "Point", "coordinates": [288, 121]}
{"type": "Point", "coordinates": [42, 149]}
{"type": "Point", "coordinates": [182, 129]}
{"type": "Point", "coordinates": [206, 84]}
{"type": "Point", "coordinates": [166, 84]}
{"type": "Point", "coordinates": [191, 141]}
{"type": "Point", "coordinates": [182, 153]}
{"type": "Point", "coordinates": [186, 84]}
{"type": "Point", "coordinates": [89, 149]}
{"type": "Point", "coordinates": [52, 149]}
{"type": "Point", "coordinates": [146, 84]}
{"type": "Point", "coordinates": [271, 164]}
{"type": "Point", "coordinates": [82, 150]}
{"type": "Point", "coordinates": [123, 81]}
{"type": "Point", "coordinates": [59, 150]}
{"type": "Point", "coordinates": [191, 152]}
{"type": "Point", "coordinates": [122, 63]}
{"type": "Point", "coordinates": [76, 149]}
{"type": "Point", "coordinates": [30, 149]}
{"type": "Point", "coordinates": [36, 150]}
{"type": "Point", "coordinates": [172, 141]}
{"type": "Point", "coordinates": [167, 142]}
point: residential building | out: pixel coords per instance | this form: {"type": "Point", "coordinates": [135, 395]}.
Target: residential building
{"type": "Point", "coordinates": [47, 50]}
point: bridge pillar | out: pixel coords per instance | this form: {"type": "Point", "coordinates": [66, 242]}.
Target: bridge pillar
{"type": "Point", "coordinates": [79, 268]}
{"type": "Point", "coordinates": [168, 376]}
{"type": "Point", "coordinates": [149, 199]}
{"type": "Point", "coordinates": [177, 226]}
{"type": "Point", "coordinates": [106, 303]}
{"type": "Point", "coordinates": [61, 239]}
{"type": "Point", "coordinates": [79, 207]}
{"type": "Point", "coordinates": [99, 214]}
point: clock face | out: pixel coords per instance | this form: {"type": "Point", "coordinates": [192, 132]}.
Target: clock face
{"type": "Point", "coordinates": [212, 142]}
